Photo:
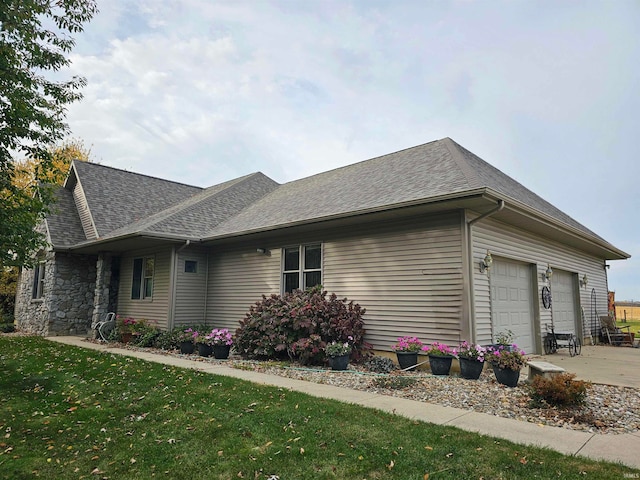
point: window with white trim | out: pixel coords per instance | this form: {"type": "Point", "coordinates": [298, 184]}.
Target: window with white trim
{"type": "Point", "coordinates": [38, 281]}
{"type": "Point", "coordinates": [301, 267]}
{"type": "Point", "coordinates": [142, 285]}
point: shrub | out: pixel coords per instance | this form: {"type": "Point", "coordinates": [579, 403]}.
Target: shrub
{"type": "Point", "coordinates": [7, 327]}
{"type": "Point", "coordinates": [299, 325]}
{"type": "Point", "coordinates": [560, 391]}
{"type": "Point", "coordinates": [166, 340]}
{"type": "Point", "coordinates": [380, 364]}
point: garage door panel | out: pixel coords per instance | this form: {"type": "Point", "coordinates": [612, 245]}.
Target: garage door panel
{"type": "Point", "coordinates": [563, 305]}
{"type": "Point", "coordinates": [512, 308]}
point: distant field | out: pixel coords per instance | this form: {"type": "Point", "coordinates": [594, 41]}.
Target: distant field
{"type": "Point", "coordinates": [632, 313]}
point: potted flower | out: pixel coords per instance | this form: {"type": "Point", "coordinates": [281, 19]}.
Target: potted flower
{"type": "Point", "coordinates": [125, 327]}
{"type": "Point", "coordinates": [471, 357]}
{"type": "Point", "coordinates": [338, 354]}
{"type": "Point", "coordinates": [203, 343]}
{"type": "Point", "coordinates": [407, 349]}
{"type": "Point", "coordinates": [504, 339]}
{"type": "Point", "coordinates": [186, 339]}
{"type": "Point", "coordinates": [506, 362]}
{"type": "Point", "coordinates": [440, 357]}
{"type": "Point", "coordinates": [221, 340]}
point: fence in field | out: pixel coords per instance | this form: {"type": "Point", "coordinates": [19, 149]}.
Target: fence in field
{"type": "Point", "coordinates": [627, 311]}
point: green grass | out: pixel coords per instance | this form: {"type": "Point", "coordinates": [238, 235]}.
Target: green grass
{"type": "Point", "coordinates": [634, 324]}
{"type": "Point", "coordinates": [70, 413]}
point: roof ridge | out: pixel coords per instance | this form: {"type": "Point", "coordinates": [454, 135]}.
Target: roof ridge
{"type": "Point", "coordinates": [136, 173]}
{"type": "Point", "coordinates": [168, 212]}
{"type": "Point", "coordinates": [466, 169]}
{"type": "Point", "coordinates": [351, 165]}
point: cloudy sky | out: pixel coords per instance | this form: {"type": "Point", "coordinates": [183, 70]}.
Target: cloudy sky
{"type": "Point", "coordinates": [202, 91]}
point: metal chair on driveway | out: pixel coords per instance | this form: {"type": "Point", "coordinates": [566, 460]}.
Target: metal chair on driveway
{"type": "Point", "coordinates": [105, 327]}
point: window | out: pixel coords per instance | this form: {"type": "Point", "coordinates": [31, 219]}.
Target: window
{"type": "Point", "coordinates": [190, 266]}
{"type": "Point", "coordinates": [301, 267]}
{"type": "Point", "coordinates": [142, 286]}
{"type": "Point", "coordinates": [38, 281]}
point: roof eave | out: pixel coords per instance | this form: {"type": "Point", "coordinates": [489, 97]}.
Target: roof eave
{"type": "Point", "coordinates": [591, 242]}
{"type": "Point", "coordinates": [447, 201]}
{"type": "Point", "coordinates": [123, 242]}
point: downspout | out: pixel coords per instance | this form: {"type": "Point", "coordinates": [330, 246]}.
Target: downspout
{"type": "Point", "coordinates": [488, 214]}
{"type": "Point", "coordinates": [174, 282]}
{"type": "Point", "coordinates": [472, 300]}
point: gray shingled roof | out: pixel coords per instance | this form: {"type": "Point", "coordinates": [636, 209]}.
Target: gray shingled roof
{"type": "Point", "coordinates": [117, 198]}
{"type": "Point", "coordinates": [124, 203]}
{"type": "Point", "coordinates": [420, 173]}
{"type": "Point", "coordinates": [203, 211]}
{"type": "Point", "coordinates": [63, 223]}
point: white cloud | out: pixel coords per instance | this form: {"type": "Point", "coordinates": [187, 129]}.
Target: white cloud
{"type": "Point", "coordinates": [201, 92]}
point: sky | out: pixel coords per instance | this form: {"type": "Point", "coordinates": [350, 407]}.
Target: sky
{"type": "Point", "coordinates": [203, 91]}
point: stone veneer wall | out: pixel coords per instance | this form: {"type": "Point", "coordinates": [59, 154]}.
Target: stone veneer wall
{"type": "Point", "coordinates": [67, 303]}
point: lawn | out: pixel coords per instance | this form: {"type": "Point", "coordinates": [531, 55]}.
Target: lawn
{"type": "Point", "coordinates": [70, 413]}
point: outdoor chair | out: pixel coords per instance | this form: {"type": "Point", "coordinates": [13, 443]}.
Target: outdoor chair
{"type": "Point", "coordinates": [613, 333]}
{"type": "Point", "coordinates": [104, 327]}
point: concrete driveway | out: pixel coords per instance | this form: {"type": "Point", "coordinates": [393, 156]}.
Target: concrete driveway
{"type": "Point", "coordinates": [602, 364]}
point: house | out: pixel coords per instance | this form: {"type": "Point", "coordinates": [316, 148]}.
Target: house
{"type": "Point", "coordinates": [432, 240]}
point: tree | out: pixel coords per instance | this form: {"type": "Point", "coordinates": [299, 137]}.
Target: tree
{"type": "Point", "coordinates": [26, 170]}
{"type": "Point", "coordinates": [34, 39]}
{"type": "Point", "coordinates": [25, 178]}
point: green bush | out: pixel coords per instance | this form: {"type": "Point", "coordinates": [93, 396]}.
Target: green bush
{"type": "Point", "coordinates": [7, 327]}
{"type": "Point", "coordinates": [166, 340]}
{"type": "Point", "coordinates": [380, 364]}
{"type": "Point", "coordinates": [558, 391]}
{"type": "Point", "coordinates": [299, 325]}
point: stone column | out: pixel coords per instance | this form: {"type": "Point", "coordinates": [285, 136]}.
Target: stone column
{"type": "Point", "coordinates": [103, 285]}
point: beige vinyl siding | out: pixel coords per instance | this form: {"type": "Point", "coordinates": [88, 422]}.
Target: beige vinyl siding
{"type": "Point", "coordinates": [191, 288]}
{"type": "Point", "coordinates": [512, 244]}
{"type": "Point", "coordinates": [238, 279]}
{"type": "Point", "coordinates": [85, 215]}
{"type": "Point", "coordinates": [407, 275]}
{"type": "Point", "coordinates": [157, 308]}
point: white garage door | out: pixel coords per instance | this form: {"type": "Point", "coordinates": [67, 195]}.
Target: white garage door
{"type": "Point", "coordinates": [511, 305]}
{"type": "Point", "coordinates": [563, 301]}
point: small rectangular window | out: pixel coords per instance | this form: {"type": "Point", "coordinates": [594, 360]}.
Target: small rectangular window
{"type": "Point", "coordinates": [190, 266]}
{"type": "Point", "coordinates": [142, 281]}
{"type": "Point", "coordinates": [301, 267]}
{"type": "Point", "coordinates": [38, 281]}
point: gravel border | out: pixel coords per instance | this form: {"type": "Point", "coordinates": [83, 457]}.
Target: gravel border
{"type": "Point", "coordinates": [608, 409]}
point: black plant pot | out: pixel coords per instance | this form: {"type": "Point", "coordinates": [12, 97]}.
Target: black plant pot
{"type": "Point", "coordinates": [506, 376]}
{"type": "Point", "coordinates": [470, 369]}
{"type": "Point", "coordinates": [204, 350]}
{"type": "Point", "coordinates": [440, 365]}
{"type": "Point", "coordinates": [221, 352]}
{"type": "Point", "coordinates": [340, 362]}
{"type": "Point", "coordinates": [407, 359]}
{"type": "Point", "coordinates": [187, 347]}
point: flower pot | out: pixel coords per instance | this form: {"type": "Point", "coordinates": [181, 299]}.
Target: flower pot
{"type": "Point", "coordinates": [506, 376]}
{"type": "Point", "coordinates": [470, 368]}
{"type": "Point", "coordinates": [339, 362]}
{"type": "Point", "coordinates": [221, 352]}
{"type": "Point", "coordinates": [126, 337]}
{"type": "Point", "coordinates": [187, 347]}
{"type": "Point", "coordinates": [440, 365]}
{"type": "Point", "coordinates": [407, 359]}
{"type": "Point", "coordinates": [204, 350]}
